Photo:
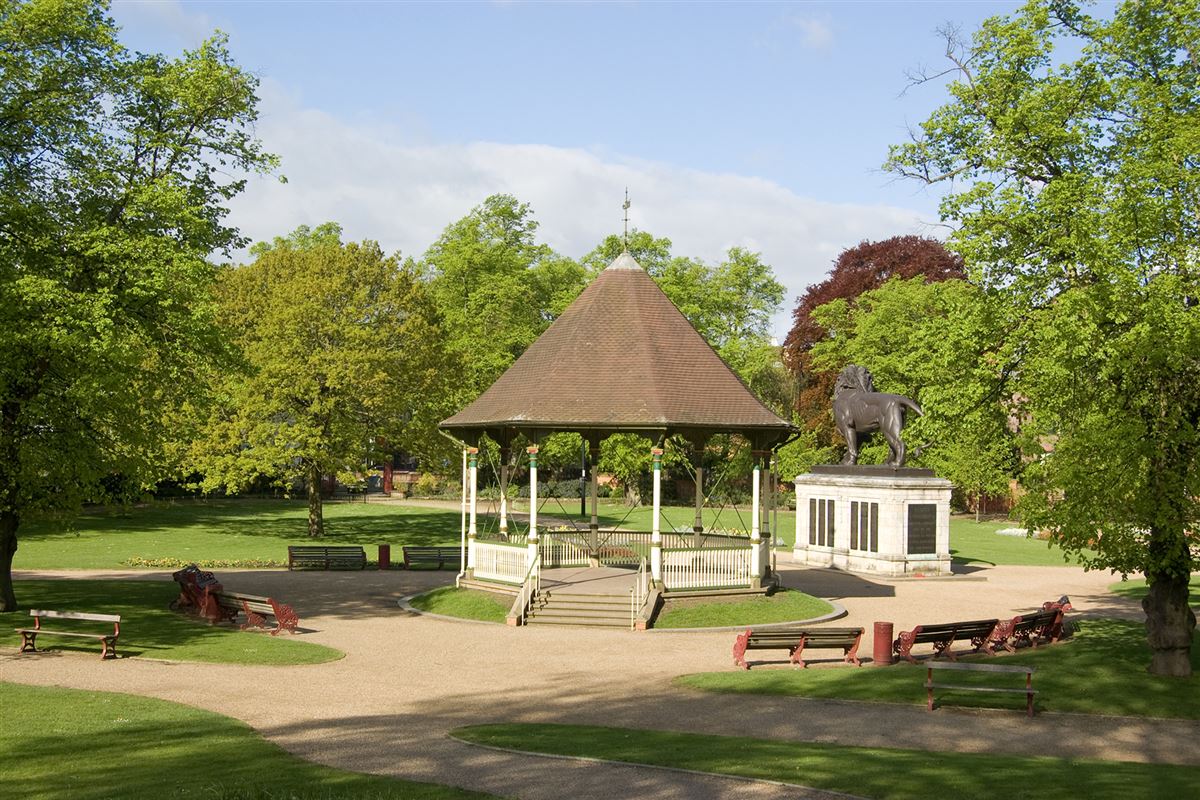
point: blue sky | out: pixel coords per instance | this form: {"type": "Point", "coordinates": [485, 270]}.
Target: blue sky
{"type": "Point", "coordinates": [754, 124]}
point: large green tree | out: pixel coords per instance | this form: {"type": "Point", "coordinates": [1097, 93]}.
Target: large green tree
{"type": "Point", "coordinates": [340, 359]}
{"type": "Point", "coordinates": [1070, 148]}
{"type": "Point", "coordinates": [496, 287]}
{"type": "Point", "coordinates": [940, 343]}
{"type": "Point", "coordinates": [114, 172]}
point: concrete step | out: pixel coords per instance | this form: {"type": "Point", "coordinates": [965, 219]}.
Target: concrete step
{"type": "Point", "coordinates": [574, 608]}
{"type": "Point", "coordinates": [589, 622]}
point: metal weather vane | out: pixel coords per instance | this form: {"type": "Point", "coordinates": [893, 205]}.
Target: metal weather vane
{"type": "Point", "coordinates": [625, 206]}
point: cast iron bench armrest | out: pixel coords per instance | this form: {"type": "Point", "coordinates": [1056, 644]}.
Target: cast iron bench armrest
{"type": "Point", "coordinates": [257, 608]}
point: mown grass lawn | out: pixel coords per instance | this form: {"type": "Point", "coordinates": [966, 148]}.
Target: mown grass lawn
{"type": "Point", "coordinates": [148, 627]}
{"type": "Point", "coordinates": [237, 532]}
{"type": "Point", "coordinates": [188, 531]}
{"type": "Point", "coordinates": [1101, 670]}
{"type": "Point", "coordinates": [783, 606]}
{"type": "Point", "coordinates": [978, 543]}
{"type": "Point", "coordinates": [1136, 589]}
{"type": "Point", "coordinates": [67, 744]}
{"type": "Point", "coordinates": [888, 774]}
{"type": "Point", "coordinates": [464, 603]}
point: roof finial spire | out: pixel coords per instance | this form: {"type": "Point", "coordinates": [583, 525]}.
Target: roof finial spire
{"type": "Point", "coordinates": [625, 206]}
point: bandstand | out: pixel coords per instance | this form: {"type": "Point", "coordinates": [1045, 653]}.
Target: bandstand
{"type": "Point", "coordinates": [621, 359]}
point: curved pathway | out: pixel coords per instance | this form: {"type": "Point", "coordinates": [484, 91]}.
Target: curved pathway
{"type": "Point", "coordinates": [408, 679]}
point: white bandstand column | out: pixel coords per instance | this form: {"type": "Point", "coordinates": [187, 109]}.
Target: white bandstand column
{"type": "Point", "coordinates": [756, 566]}
{"type": "Point", "coordinates": [655, 527]}
{"type": "Point", "coordinates": [533, 503]}
{"type": "Point", "coordinates": [462, 531]}
{"type": "Point", "coordinates": [504, 491]}
{"type": "Point", "coordinates": [472, 474]}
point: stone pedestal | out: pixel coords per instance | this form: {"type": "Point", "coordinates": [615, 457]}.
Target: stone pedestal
{"type": "Point", "coordinates": [873, 519]}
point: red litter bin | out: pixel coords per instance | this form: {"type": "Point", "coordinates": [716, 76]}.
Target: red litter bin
{"type": "Point", "coordinates": [385, 556]}
{"type": "Point", "coordinates": [882, 654]}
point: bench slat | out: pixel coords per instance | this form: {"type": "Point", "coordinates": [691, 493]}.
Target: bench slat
{"type": "Point", "coordinates": [977, 688]}
{"type": "Point", "coordinates": [795, 640]}
{"type": "Point", "coordinates": [74, 615]}
{"type": "Point", "coordinates": [45, 632]}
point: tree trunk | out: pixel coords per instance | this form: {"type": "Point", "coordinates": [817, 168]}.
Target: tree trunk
{"type": "Point", "coordinates": [1169, 625]}
{"type": "Point", "coordinates": [316, 522]}
{"type": "Point", "coordinates": [8, 548]}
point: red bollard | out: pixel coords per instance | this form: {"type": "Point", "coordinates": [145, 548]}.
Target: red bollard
{"type": "Point", "coordinates": [385, 556]}
{"type": "Point", "coordinates": [882, 654]}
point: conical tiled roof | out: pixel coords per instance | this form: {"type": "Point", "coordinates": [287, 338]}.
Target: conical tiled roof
{"type": "Point", "coordinates": [622, 357]}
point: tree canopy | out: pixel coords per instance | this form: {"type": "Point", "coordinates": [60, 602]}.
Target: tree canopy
{"type": "Point", "coordinates": [865, 266]}
{"type": "Point", "coordinates": [114, 171]}
{"type": "Point", "coordinates": [339, 361]}
{"type": "Point", "coordinates": [1070, 148]}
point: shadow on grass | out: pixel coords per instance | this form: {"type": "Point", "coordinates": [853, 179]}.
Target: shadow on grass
{"type": "Point", "coordinates": [148, 626]}
{"type": "Point", "coordinates": [102, 745]}
{"type": "Point", "coordinates": [285, 520]}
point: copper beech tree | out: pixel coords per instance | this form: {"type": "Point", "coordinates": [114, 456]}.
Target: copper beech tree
{"type": "Point", "coordinates": [866, 266]}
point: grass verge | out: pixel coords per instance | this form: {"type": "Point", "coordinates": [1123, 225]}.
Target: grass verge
{"type": "Point", "coordinates": [1102, 670]}
{"type": "Point", "coordinates": [67, 743]}
{"type": "Point", "coordinates": [464, 603]}
{"type": "Point", "coordinates": [866, 772]}
{"type": "Point", "coordinates": [1137, 588]}
{"type": "Point", "coordinates": [783, 606]}
{"type": "Point", "coordinates": [149, 627]}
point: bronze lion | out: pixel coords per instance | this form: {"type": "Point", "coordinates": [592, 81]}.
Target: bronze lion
{"type": "Point", "coordinates": [859, 410]}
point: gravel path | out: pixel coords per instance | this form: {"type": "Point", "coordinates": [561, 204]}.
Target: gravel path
{"type": "Point", "coordinates": [408, 679]}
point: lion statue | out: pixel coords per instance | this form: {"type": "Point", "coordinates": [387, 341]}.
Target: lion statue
{"type": "Point", "coordinates": [859, 410]}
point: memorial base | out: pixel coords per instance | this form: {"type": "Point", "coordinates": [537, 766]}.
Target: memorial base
{"type": "Point", "coordinates": [875, 520]}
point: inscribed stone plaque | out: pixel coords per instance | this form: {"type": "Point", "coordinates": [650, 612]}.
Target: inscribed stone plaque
{"type": "Point", "coordinates": [922, 528]}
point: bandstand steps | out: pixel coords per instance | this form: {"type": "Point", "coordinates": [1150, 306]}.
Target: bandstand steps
{"type": "Point", "coordinates": [598, 610]}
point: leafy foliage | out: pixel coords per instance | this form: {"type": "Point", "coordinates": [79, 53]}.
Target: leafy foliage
{"type": "Point", "coordinates": [116, 170]}
{"type": "Point", "coordinates": [1073, 181]}
{"type": "Point", "coordinates": [939, 343]}
{"type": "Point", "coordinates": [858, 269]}
{"type": "Point", "coordinates": [340, 361]}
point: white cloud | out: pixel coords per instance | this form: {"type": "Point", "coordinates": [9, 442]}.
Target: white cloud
{"type": "Point", "coordinates": [815, 33]}
{"type": "Point", "coordinates": [378, 186]}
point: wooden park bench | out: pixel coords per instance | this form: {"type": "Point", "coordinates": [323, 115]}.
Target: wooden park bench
{"type": "Point", "coordinates": [431, 555]}
{"type": "Point", "coordinates": [107, 640]}
{"type": "Point", "coordinates": [1026, 690]}
{"type": "Point", "coordinates": [795, 639]}
{"type": "Point", "coordinates": [977, 631]}
{"type": "Point", "coordinates": [1040, 627]}
{"type": "Point", "coordinates": [320, 557]}
{"type": "Point", "coordinates": [256, 610]}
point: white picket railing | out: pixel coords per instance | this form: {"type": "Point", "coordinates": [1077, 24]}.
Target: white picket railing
{"type": "Point", "coordinates": [529, 592]}
{"type": "Point", "coordinates": [638, 594]}
{"type": "Point", "coordinates": [501, 562]}
{"type": "Point", "coordinates": [707, 568]}
{"type": "Point", "coordinates": [563, 551]}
